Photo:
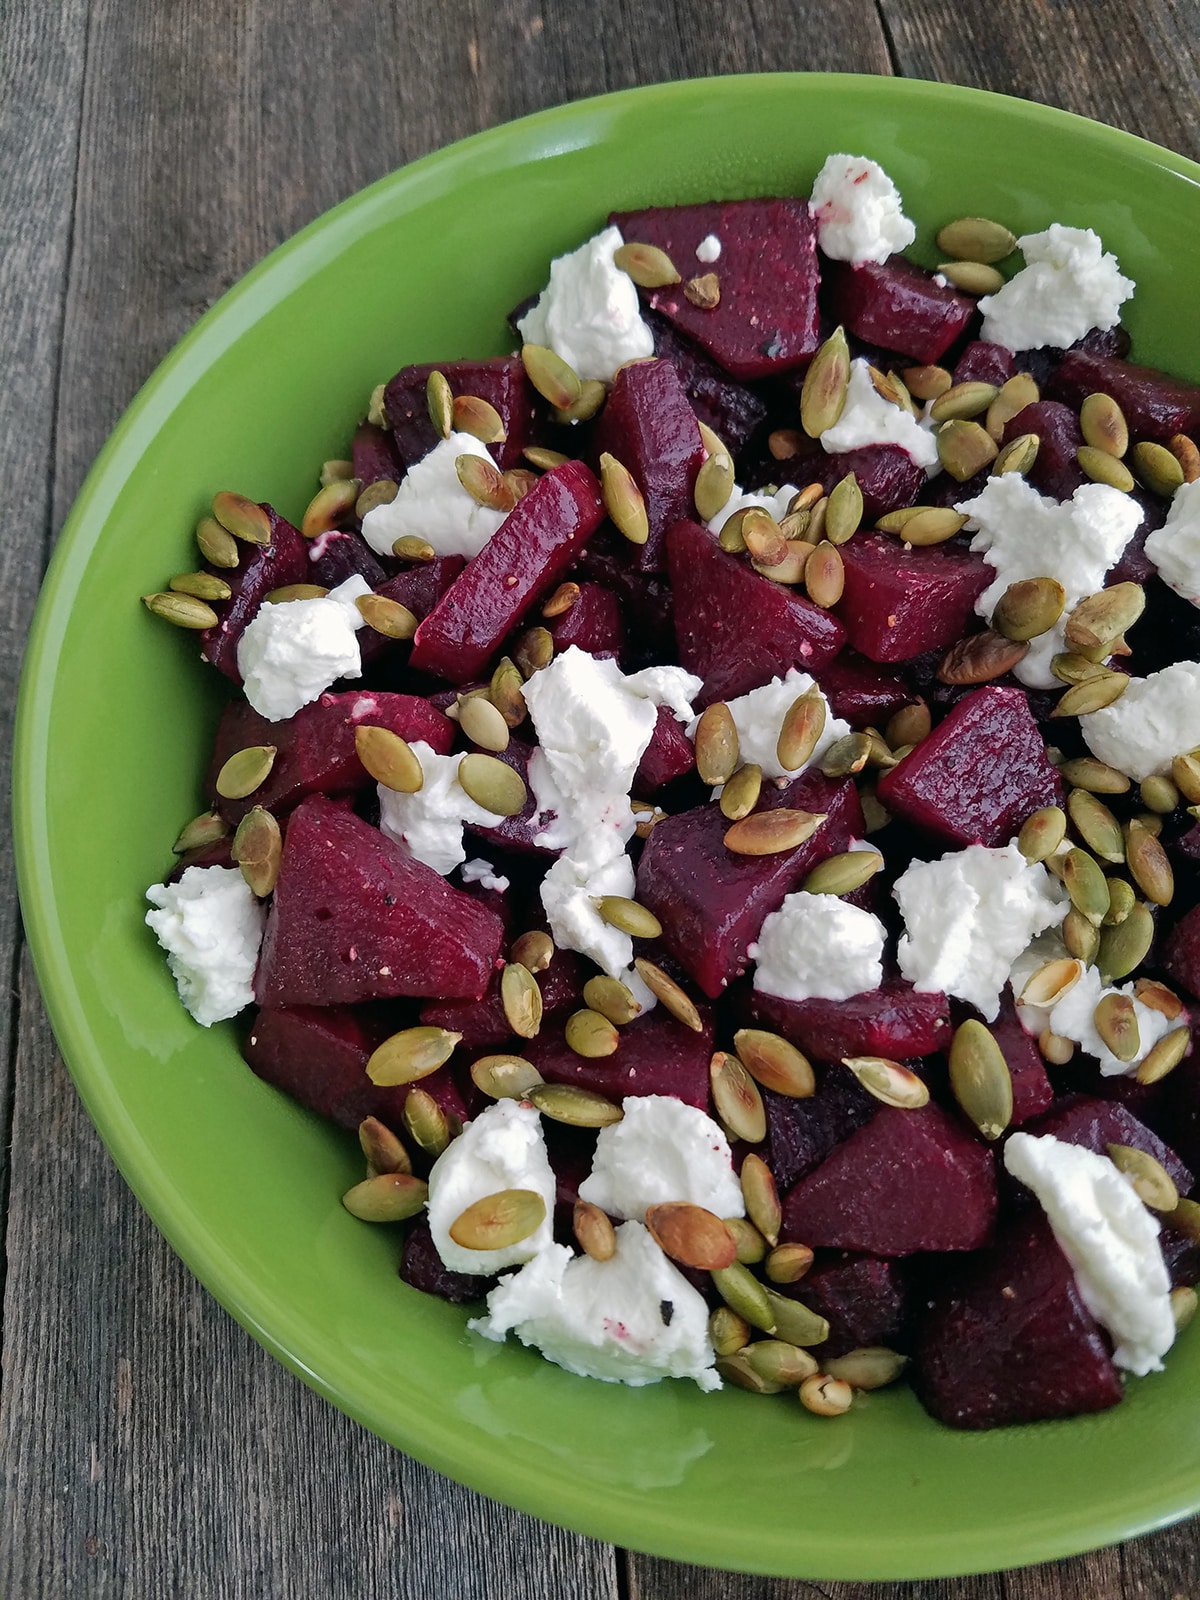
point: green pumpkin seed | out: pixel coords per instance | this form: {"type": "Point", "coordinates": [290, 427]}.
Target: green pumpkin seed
{"type": "Point", "coordinates": [842, 874]}
{"type": "Point", "coordinates": [761, 1197]}
{"type": "Point", "coordinates": [788, 1263]}
{"type": "Point", "coordinates": [1185, 775]}
{"type": "Point", "coordinates": [737, 1370]}
{"type": "Point", "coordinates": [329, 508]}
{"type": "Point", "coordinates": [478, 417]}
{"type": "Point", "coordinates": [596, 1235]}
{"type": "Point", "coordinates": [825, 575]}
{"type": "Point", "coordinates": [411, 547]}
{"type": "Point", "coordinates": [295, 591]}
{"type": "Point", "coordinates": [505, 1077]}
{"type": "Point", "coordinates": [1072, 667]}
{"type": "Point", "coordinates": [551, 376]}
{"type": "Point", "coordinates": [926, 383]}
{"type": "Point", "coordinates": [245, 771]}
{"type": "Point", "coordinates": [742, 1293]}
{"type": "Point", "coordinates": [410, 1055]}
{"type": "Point", "coordinates": [714, 485]}
{"type": "Point", "coordinates": [751, 1246]}
{"type": "Point", "coordinates": [1029, 608]}
{"type": "Point", "coordinates": [741, 793]}
{"type": "Point", "coordinates": [716, 744]}
{"type": "Point", "coordinates": [730, 537]}
{"type": "Point", "coordinates": [200, 585]}
{"type": "Point", "coordinates": [1115, 1020]}
{"type": "Point", "coordinates": [931, 525]}
{"type": "Point", "coordinates": [381, 493]}
{"type": "Point", "coordinates": [1165, 1055]}
{"type": "Point", "coordinates": [384, 1151]}
{"type": "Point", "coordinates": [735, 1095]}
{"type": "Point", "coordinates": [335, 471]}
{"type": "Point", "coordinates": [484, 482]}
{"type": "Point", "coordinates": [843, 514]}
{"type": "Point", "coordinates": [779, 1365]}
{"type": "Point", "coordinates": [976, 239]}
{"type": "Point", "coordinates": [802, 726]}
{"type": "Point", "coordinates": [612, 999]}
{"type": "Point", "coordinates": [208, 828]}
{"type": "Point", "coordinates": [627, 916]}
{"type": "Point", "coordinates": [242, 517]}
{"type": "Point", "coordinates": [427, 1124]}
{"type": "Point", "coordinates": [1081, 936]}
{"type": "Point", "coordinates": [980, 1079]}
{"type": "Point", "coordinates": [794, 1322]}
{"type": "Point", "coordinates": [574, 1105]}
{"type": "Point", "coordinates": [386, 1197]}
{"type": "Point", "coordinates": [1099, 621]}
{"type": "Point", "coordinates": [1086, 885]}
{"type": "Point", "coordinates": [1185, 1219]}
{"type": "Point", "coordinates": [668, 993]}
{"type": "Point", "coordinates": [521, 999]}
{"type": "Point", "coordinates": [871, 1367]}
{"type": "Point", "coordinates": [387, 617]}
{"type": "Point", "coordinates": [534, 950]}
{"type": "Point", "coordinates": [769, 833]}
{"type": "Point", "coordinates": [623, 500]}
{"type": "Point", "coordinates": [1103, 467]}
{"type": "Point", "coordinates": [972, 277]}
{"type": "Point", "coordinates": [964, 448]}
{"type": "Point", "coordinates": [181, 610]}
{"type": "Point", "coordinates": [499, 1220]}
{"type": "Point", "coordinates": [909, 725]}
{"type": "Point", "coordinates": [963, 400]}
{"type": "Point", "coordinates": [646, 264]}
{"type": "Point", "coordinates": [1042, 832]}
{"type": "Point", "coordinates": [775, 1063]}
{"type": "Point", "coordinates": [1018, 455]}
{"type": "Point", "coordinates": [591, 1035]}
{"type": "Point", "coordinates": [1152, 1183]}
{"type": "Point", "coordinates": [1103, 425]}
{"type": "Point", "coordinates": [376, 410]}
{"type": "Point", "coordinates": [1157, 468]}
{"type": "Point", "coordinates": [823, 396]}
{"type": "Point", "coordinates": [388, 758]}
{"type": "Point", "coordinates": [792, 568]}
{"type": "Point", "coordinates": [1096, 825]}
{"type": "Point", "coordinates": [506, 692]}
{"type": "Point", "coordinates": [846, 755]}
{"type": "Point", "coordinates": [1015, 394]}
{"type": "Point", "coordinates": [592, 395]}
{"type": "Point", "coordinates": [1097, 777]}
{"type": "Point", "coordinates": [1121, 901]}
{"type": "Point", "coordinates": [482, 723]}
{"type": "Point", "coordinates": [889, 1082]}
{"type": "Point", "coordinates": [1159, 794]}
{"type": "Point", "coordinates": [493, 784]}
{"type": "Point", "coordinates": [1093, 695]}
{"type": "Point", "coordinates": [216, 544]}
{"type": "Point", "coordinates": [439, 401]}
{"type": "Point", "coordinates": [257, 849]}
{"type": "Point", "coordinates": [727, 1332]}
{"type": "Point", "coordinates": [1149, 865]}
{"type": "Point", "coordinates": [895, 521]}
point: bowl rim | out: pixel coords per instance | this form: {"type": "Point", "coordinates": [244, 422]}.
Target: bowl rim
{"type": "Point", "coordinates": [326, 238]}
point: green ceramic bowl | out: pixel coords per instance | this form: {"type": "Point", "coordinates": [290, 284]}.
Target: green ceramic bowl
{"type": "Point", "coordinates": [116, 715]}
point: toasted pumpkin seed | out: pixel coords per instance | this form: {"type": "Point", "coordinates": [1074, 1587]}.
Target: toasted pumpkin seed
{"type": "Point", "coordinates": [182, 610]}
{"type": "Point", "coordinates": [388, 617]}
{"type": "Point", "coordinates": [1096, 826]}
{"type": "Point", "coordinates": [1047, 986]}
{"type": "Point", "coordinates": [506, 693]}
{"type": "Point", "coordinates": [1097, 777]}
{"type": "Point", "coordinates": [1074, 668]}
{"type": "Point", "coordinates": [846, 755]}
{"type": "Point", "coordinates": [976, 239]}
{"type": "Point", "coordinates": [735, 1095]}
{"type": "Point", "coordinates": [592, 395]}
{"type": "Point", "coordinates": [794, 1321]}
{"type": "Point", "coordinates": [1157, 468]}
{"type": "Point", "coordinates": [388, 758]}
{"type": "Point", "coordinates": [963, 400]}
{"type": "Point", "coordinates": [493, 784]}
{"type": "Point", "coordinates": [842, 874]}
{"type": "Point", "coordinates": [930, 525]}
{"type": "Point", "coordinates": [1081, 936]}
{"type": "Point", "coordinates": [926, 383]}
{"type": "Point", "coordinates": [521, 999]}
{"type": "Point", "coordinates": [1185, 1219]}
{"type": "Point", "coordinates": [825, 575]}
{"type": "Point", "coordinates": [668, 993]}
{"type": "Point", "coordinates": [534, 950]}
{"type": "Point", "coordinates": [590, 1034]}
{"type": "Point", "coordinates": [1015, 394]}
{"type": "Point", "coordinates": [870, 1367]}
{"type": "Point", "coordinates": [980, 657]}
{"type": "Point", "coordinates": [646, 264]}
{"type": "Point", "coordinates": [823, 396]}
{"type": "Point", "coordinates": [200, 585]}
{"type": "Point", "coordinates": [411, 547]}
{"type": "Point", "coordinates": [763, 537]}
{"type": "Point", "coordinates": [1159, 794]}
{"type": "Point", "coordinates": [594, 1230]}
{"type": "Point", "coordinates": [245, 771]}
{"type": "Point", "coordinates": [1086, 885]}
{"type": "Point", "coordinates": [730, 537]}
{"type": "Point", "coordinates": [499, 1220]}
{"type": "Point", "coordinates": [1121, 901]}
{"type": "Point", "coordinates": [769, 833]}
{"type": "Point", "coordinates": [551, 376]}
{"type": "Point", "coordinates": [627, 915]}
{"type": "Point", "coordinates": [410, 1055]}
{"type": "Point", "coordinates": [242, 517]}
{"type": "Point", "coordinates": [1159, 998]}
{"type": "Point", "coordinates": [1101, 619]}
{"type": "Point", "coordinates": [1186, 453]}
{"type": "Point", "coordinates": [1165, 1055]}
{"type": "Point", "coordinates": [775, 1062]}
{"type": "Point", "coordinates": [386, 1197]}
{"type": "Point", "coordinates": [208, 828]}
{"type": "Point", "coordinates": [1149, 865]}
{"type": "Point", "coordinates": [482, 723]}
{"type": "Point", "coordinates": [788, 1263]}
{"type": "Point", "coordinates": [964, 448]}
{"type": "Point", "coordinates": [1092, 695]}
{"type": "Point", "coordinates": [427, 1124]}
{"type": "Point", "coordinates": [1152, 1183]}
{"type": "Point", "coordinates": [980, 1079]}
{"type": "Point", "coordinates": [972, 277]}
{"type": "Point", "coordinates": [779, 1365]}
{"type": "Point", "coordinates": [784, 443]}
{"type": "Point", "coordinates": [505, 1077]}
{"type": "Point", "coordinates": [478, 417]}
{"type": "Point", "coordinates": [714, 485]}
{"type": "Point", "coordinates": [1101, 466]}
{"type": "Point", "coordinates": [612, 999]}
{"type": "Point", "coordinates": [1029, 608]}
{"type": "Point", "coordinates": [909, 725]}
{"type": "Point", "coordinates": [1042, 832]}
{"type": "Point", "coordinates": [1103, 425]}
{"type": "Point", "coordinates": [1115, 1020]}
{"type": "Point", "coordinates": [329, 507]}
{"type": "Point", "coordinates": [295, 591]}
{"type": "Point", "coordinates": [216, 544]}
{"type": "Point", "coordinates": [1018, 455]}
{"type": "Point", "coordinates": [761, 1197]}
{"type": "Point", "coordinates": [691, 1235]}
{"type": "Point", "coordinates": [888, 1081]}
{"type": "Point", "coordinates": [741, 793]}
{"type": "Point", "coordinates": [844, 512]}
{"type": "Point", "coordinates": [727, 1332]}
{"type": "Point", "coordinates": [381, 493]}
{"type": "Point", "coordinates": [742, 1292]}
{"type": "Point", "coordinates": [716, 744]}
{"type": "Point", "coordinates": [623, 500]}
{"type": "Point", "coordinates": [333, 471]}
{"type": "Point", "coordinates": [439, 402]}
{"type": "Point", "coordinates": [751, 1246]}
{"type": "Point", "coordinates": [576, 1106]}
{"type": "Point", "coordinates": [257, 849]}
{"type": "Point", "coordinates": [1185, 774]}
{"type": "Point", "coordinates": [801, 729]}
{"type": "Point", "coordinates": [383, 1149]}
{"type": "Point", "coordinates": [737, 1370]}
{"type": "Point", "coordinates": [484, 482]}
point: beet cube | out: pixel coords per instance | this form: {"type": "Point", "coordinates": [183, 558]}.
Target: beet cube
{"type": "Point", "coordinates": [768, 274]}
{"type": "Point", "coordinates": [419, 588]}
{"type": "Point", "coordinates": [893, 1021]}
{"type": "Point", "coordinates": [354, 917]}
{"type": "Point", "coordinates": [1055, 471]}
{"type": "Point", "coordinates": [901, 600]}
{"type": "Point", "coordinates": [519, 565]}
{"type": "Point", "coordinates": [1182, 955]}
{"type": "Point", "coordinates": [859, 693]}
{"type": "Point", "coordinates": [865, 1301]}
{"type": "Point", "coordinates": [1032, 1089]}
{"type": "Point", "coordinates": [668, 756]}
{"type": "Point", "coordinates": [731, 410]}
{"type": "Point", "coordinates": [319, 1056]}
{"type": "Point", "coordinates": [375, 457]}
{"type": "Point", "coordinates": [501, 382]}
{"type": "Point", "coordinates": [656, 1055]}
{"type": "Point", "coordinates": [801, 1133]}
{"type": "Point", "coordinates": [982, 362]}
{"type": "Point", "coordinates": [886, 474]}
{"type": "Point", "coordinates": [1012, 1341]}
{"type": "Point", "coordinates": [978, 775]}
{"type": "Point", "coordinates": [593, 623]}
{"type": "Point", "coordinates": [898, 306]}
{"type": "Point", "coordinates": [1155, 404]}
{"type": "Point", "coordinates": [711, 902]}
{"type": "Point", "coordinates": [483, 1024]}
{"type": "Point", "coordinates": [649, 426]}
{"type": "Point", "coordinates": [421, 1268]}
{"type": "Point", "coordinates": [735, 628]}
{"type": "Point", "coordinates": [1095, 1124]}
{"type": "Point", "coordinates": [261, 568]}
{"type": "Point", "coordinates": [906, 1181]}
{"type": "Point", "coordinates": [342, 554]}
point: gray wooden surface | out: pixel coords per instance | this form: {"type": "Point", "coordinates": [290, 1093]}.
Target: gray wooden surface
{"type": "Point", "coordinates": [150, 153]}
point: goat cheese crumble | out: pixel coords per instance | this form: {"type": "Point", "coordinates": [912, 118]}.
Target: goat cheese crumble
{"type": "Point", "coordinates": [1069, 285]}
{"type": "Point", "coordinates": [742, 499]}
{"type": "Point", "coordinates": [1175, 547]}
{"type": "Point", "coordinates": [662, 1150]}
{"type": "Point", "coordinates": [502, 1148]}
{"type": "Point", "coordinates": [429, 823]}
{"type": "Point", "coordinates": [818, 947]}
{"type": "Point", "coordinates": [432, 504]}
{"type": "Point", "coordinates": [758, 717]}
{"type": "Point", "coordinates": [867, 418]}
{"type": "Point", "coordinates": [589, 313]}
{"type": "Point", "coordinates": [211, 926]}
{"type": "Point", "coordinates": [1074, 1018]}
{"type": "Point", "coordinates": [859, 212]}
{"type": "Point", "coordinates": [291, 652]}
{"type": "Point", "coordinates": [1155, 720]}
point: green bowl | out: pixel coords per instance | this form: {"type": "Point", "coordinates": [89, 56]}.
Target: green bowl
{"type": "Point", "coordinates": [115, 719]}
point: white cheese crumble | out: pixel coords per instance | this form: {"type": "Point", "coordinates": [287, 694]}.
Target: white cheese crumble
{"type": "Point", "coordinates": [662, 1150]}
{"type": "Point", "coordinates": [709, 248]}
{"type": "Point", "coordinates": [1074, 1018]}
{"type": "Point", "coordinates": [631, 1319]}
{"type": "Point", "coordinates": [569, 891]}
{"type": "Point", "coordinates": [758, 717]}
{"type": "Point", "coordinates": [432, 504]}
{"type": "Point", "coordinates": [1023, 534]}
{"type": "Point", "coordinates": [859, 212]}
{"type": "Point", "coordinates": [743, 499]}
{"type": "Point", "coordinates": [1110, 1239]}
{"type": "Point", "coordinates": [867, 418]}
{"type": "Point", "coordinates": [1069, 285]}
{"type": "Point", "coordinates": [1175, 547]}
{"type": "Point", "coordinates": [211, 926]}
{"type": "Point", "coordinates": [484, 873]}
{"type": "Point", "coordinates": [818, 947]}
{"type": "Point", "coordinates": [968, 916]}
{"type": "Point", "coordinates": [429, 823]}
{"type": "Point", "coordinates": [502, 1148]}
{"type": "Point", "coordinates": [1155, 720]}
{"type": "Point", "coordinates": [290, 653]}
{"type": "Point", "coordinates": [589, 313]}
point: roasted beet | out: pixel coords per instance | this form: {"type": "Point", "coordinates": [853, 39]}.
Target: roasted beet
{"type": "Point", "coordinates": [354, 917]}
{"type": "Point", "coordinates": [898, 306]}
{"type": "Point", "coordinates": [859, 693]}
{"type": "Point", "coordinates": [901, 600]}
{"type": "Point", "coordinates": [519, 565]}
{"type": "Point", "coordinates": [865, 1301]}
{"type": "Point", "coordinates": [1032, 1089]}
{"type": "Point", "coordinates": [334, 557]}
{"type": "Point", "coordinates": [656, 1055]}
{"type": "Point", "coordinates": [593, 623]}
{"type": "Point", "coordinates": [1095, 1124]}
{"type": "Point", "coordinates": [482, 1023]}
{"type": "Point", "coordinates": [888, 476]}
{"type": "Point", "coordinates": [501, 382]}
{"type": "Point", "coordinates": [730, 409]}
{"type": "Point", "coordinates": [319, 1056]}
{"type": "Point", "coordinates": [261, 569]}
{"type": "Point", "coordinates": [375, 457]}
{"type": "Point", "coordinates": [669, 755]}
{"type": "Point", "coordinates": [801, 1133]}
{"type": "Point", "coordinates": [982, 362]}
{"type": "Point", "coordinates": [735, 628]}
{"type": "Point", "coordinates": [1055, 471]}
{"type": "Point", "coordinates": [421, 1268]}
{"type": "Point", "coordinates": [978, 775]}
{"type": "Point", "coordinates": [767, 273]}
{"type": "Point", "coordinates": [1155, 404]}
{"type": "Point", "coordinates": [893, 1021]}
{"type": "Point", "coordinates": [1182, 954]}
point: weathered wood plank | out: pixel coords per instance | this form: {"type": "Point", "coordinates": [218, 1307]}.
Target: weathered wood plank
{"type": "Point", "coordinates": [664, 1580]}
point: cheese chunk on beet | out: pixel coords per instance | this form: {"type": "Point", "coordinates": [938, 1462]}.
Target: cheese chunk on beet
{"type": "Point", "coordinates": [978, 775]}
{"type": "Point", "coordinates": [1095, 1124]}
{"type": "Point", "coordinates": [655, 1055]}
{"type": "Point", "coordinates": [355, 918]}
{"type": "Point", "coordinates": [893, 1021]}
{"type": "Point", "coordinates": [767, 274]}
{"type": "Point", "coordinates": [261, 568]}
{"type": "Point", "coordinates": [901, 600]}
{"type": "Point", "coordinates": [898, 306]}
{"type": "Point", "coordinates": [519, 565]}
{"type": "Point", "coordinates": [502, 382]}
{"type": "Point", "coordinates": [711, 902]}
{"type": "Point", "coordinates": [735, 628]}
{"type": "Point", "coordinates": [1155, 404]}
{"type": "Point", "coordinates": [907, 1181]}
{"type": "Point", "coordinates": [1010, 1339]}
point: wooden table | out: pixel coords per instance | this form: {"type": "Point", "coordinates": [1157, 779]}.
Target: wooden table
{"type": "Point", "coordinates": [149, 154]}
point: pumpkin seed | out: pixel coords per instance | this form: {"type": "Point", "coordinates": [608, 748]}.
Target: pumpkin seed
{"type": "Point", "coordinates": [594, 1230]}
{"type": "Point", "coordinates": [427, 1124]}
{"type": "Point", "coordinates": [478, 417]}
{"type": "Point", "coordinates": [802, 726]}
{"type": "Point", "coordinates": [1097, 777]}
{"type": "Point", "coordinates": [1148, 864]}
{"type": "Point", "coordinates": [245, 771]}
{"type": "Point", "coordinates": [703, 291]}
{"type": "Point", "coordinates": [493, 784]}
{"type": "Point", "coordinates": [779, 1365]}
{"type": "Point", "coordinates": [1086, 885]}
{"type": "Point", "coordinates": [976, 239]}
{"type": "Point", "coordinates": [329, 507]}
{"type": "Point", "coordinates": [521, 999]}
{"type": "Point", "coordinates": [242, 517]}
{"type": "Point", "coordinates": [823, 396]}
{"type": "Point", "coordinates": [1185, 1219]}
{"type": "Point", "coordinates": [980, 657]}
{"type": "Point", "coordinates": [623, 500]}
{"type": "Point", "coordinates": [668, 993]}
{"type": "Point", "coordinates": [484, 482]}
{"type": "Point", "coordinates": [1054, 1048]}
{"type": "Point", "coordinates": [825, 575]}
{"type": "Point", "coordinates": [551, 376]}
{"type": "Point", "coordinates": [500, 1220]}
{"type": "Point", "coordinates": [964, 448]}
{"type": "Point", "coordinates": [730, 537]}
{"type": "Point", "coordinates": [769, 833]}
{"type": "Point", "coordinates": [381, 493]}
{"type": "Point", "coordinates": [506, 694]}
{"type": "Point", "coordinates": [411, 547]}
{"type": "Point", "coordinates": [1096, 825]}
{"type": "Point", "coordinates": [888, 386]}
{"type": "Point", "coordinates": [534, 950]}
{"type": "Point", "coordinates": [295, 591]}
{"type": "Point", "coordinates": [1125, 945]}
{"type": "Point", "coordinates": [788, 1263]}
{"type": "Point", "coordinates": [1165, 1055]}
{"type": "Point", "coordinates": [894, 521]}
{"type": "Point", "coordinates": [741, 794]}
{"type": "Point", "coordinates": [1152, 1183]}
{"type": "Point", "coordinates": [1185, 775]}
{"type": "Point", "coordinates": [972, 277]}
{"type": "Point", "coordinates": [1184, 1302]}
{"type": "Point", "coordinates": [926, 383]}
{"type": "Point", "coordinates": [1097, 622]}
{"type": "Point", "coordinates": [742, 1292]}
{"type": "Point", "coordinates": [846, 755]}
{"type": "Point", "coordinates": [1047, 986]}
{"type": "Point", "coordinates": [646, 264]}
{"type": "Point", "coordinates": [716, 744]}
{"type": "Point", "coordinates": [627, 916]}
{"type": "Point", "coordinates": [794, 1322]}
{"type": "Point", "coordinates": [714, 485]}
{"type": "Point", "coordinates": [1159, 794]}
{"type": "Point", "coordinates": [751, 1246]}
{"type": "Point", "coordinates": [1073, 668]}
{"type": "Point", "coordinates": [411, 1054]}
{"type": "Point", "coordinates": [1092, 695]}
{"type": "Point", "coordinates": [1042, 832]}
{"type": "Point", "coordinates": [576, 1106]}
{"type": "Point", "coordinates": [825, 1396]}
{"type": "Point", "coordinates": [257, 849]}
{"type": "Point", "coordinates": [1188, 456]}
{"type": "Point", "coordinates": [735, 1095]}
{"type": "Point", "coordinates": [1029, 608]}
{"type": "Point", "coordinates": [439, 401]}
{"type": "Point", "coordinates": [1115, 1020]}
{"type": "Point", "coordinates": [1157, 468]}
{"type": "Point", "coordinates": [208, 828]}
{"type": "Point", "coordinates": [200, 585]}
{"type": "Point", "coordinates": [383, 1149]}
{"type": "Point", "coordinates": [737, 1370]}
{"type": "Point", "coordinates": [1101, 466]}
{"type": "Point", "coordinates": [386, 1197]}
{"type": "Point", "coordinates": [386, 616]}
{"type": "Point", "coordinates": [592, 395]}
{"type": "Point", "coordinates": [1103, 425]}
{"type": "Point", "coordinates": [1018, 455]}
{"type": "Point", "coordinates": [784, 443]}
{"type": "Point", "coordinates": [963, 400]}
{"type": "Point", "coordinates": [909, 725]}
{"type": "Point", "coordinates": [505, 1077]}
{"type": "Point", "coordinates": [870, 1367]}
{"type": "Point", "coordinates": [775, 1063]}
{"type": "Point", "coordinates": [1159, 998]}
{"type": "Point", "coordinates": [482, 723]}
{"type": "Point", "coordinates": [763, 537]}
{"type": "Point", "coordinates": [612, 999]}
{"type": "Point", "coordinates": [888, 1081]}
{"type": "Point", "coordinates": [1152, 822]}
{"type": "Point", "coordinates": [1015, 394]}
{"type": "Point", "coordinates": [591, 1035]}
{"type": "Point", "coordinates": [691, 1235]}
{"type": "Point", "coordinates": [980, 1079]}
{"type": "Point", "coordinates": [844, 512]}
{"type": "Point", "coordinates": [761, 1197]}
{"type": "Point", "coordinates": [182, 610]}
{"type": "Point", "coordinates": [727, 1332]}
{"type": "Point", "coordinates": [931, 525]}
{"type": "Point", "coordinates": [216, 544]}
{"type": "Point", "coordinates": [388, 758]}
{"type": "Point", "coordinates": [842, 874]}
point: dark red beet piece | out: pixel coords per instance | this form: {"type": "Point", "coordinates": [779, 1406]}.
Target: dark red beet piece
{"type": "Point", "coordinates": [978, 775]}
{"type": "Point", "coordinates": [1055, 471]}
{"type": "Point", "coordinates": [1181, 957]}
{"type": "Point", "coordinates": [893, 1021]}
{"type": "Point", "coordinates": [1155, 404]}
{"type": "Point", "coordinates": [418, 587]}
{"type": "Point", "coordinates": [669, 755]}
{"type": "Point", "coordinates": [319, 1056]}
{"type": "Point", "coordinates": [421, 1268]}
{"type": "Point", "coordinates": [887, 475]}
{"type": "Point", "coordinates": [1012, 1341]}
{"type": "Point", "coordinates": [648, 424]}
{"type": "Point", "coordinates": [801, 1133]}
{"type": "Point", "coordinates": [859, 693]}
{"type": "Point", "coordinates": [865, 1301]}
{"type": "Point", "coordinates": [219, 854]}
{"type": "Point", "coordinates": [501, 382]}
{"type": "Point", "coordinates": [901, 600]}
{"type": "Point", "coordinates": [767, 270]}
{"type": "Point", "coordinates": [982, 362]}
{"type": "Point", "coordinates": [519, 565]}
{"type": "Point", "coordinates": [355, 918]}
{"type": "Point", "coordinates": [315, 751]}
{"type": "Point", "coordinates": [731, 410]}
{"type": "Point", "coordinates": [907, 1181]}
{"type": "Point", "coordinates": [711, 902]}
{"type": "Point", "coordinates": [1032, 1089]}
{"type": "Point", "coordinates": [519, 832]}
{"type": "Point", "coordinates": [1181, 1110]}
{"type": "Point", "coordinates": [1095, 1124]}
{"type": "Point", "coordinates": [483, 1024]}
{"type": "Point", "coordinates": [594, 623]}
{"type": "Point", "coordinates": [735, 628]}
{"type": "Point", "coordinates": [261, 568]}
{"type": "Point", "coordinates": [899, 307]}
{"type": "Point", "coordinates": [656, 1055]}
{"type": "Point", "coordinates": [375, 455]}
{"type": "Point", "coordinates": [342, 554]}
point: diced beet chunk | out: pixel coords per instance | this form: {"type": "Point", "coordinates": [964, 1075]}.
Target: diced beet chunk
{"type": "Point", "coordinates": [319, 1056]}
{"type": "Point", "coordinates": [711, 902]}
{"type": "Point", "coordinates": [418, 587]}
{"type": "Point", "coordinates": [1182, 955]}
{"type": "Point", "coordinates": [421, 1268]}
{"type": "Point", "coordinates": [315, 750]}
{"type": "Point", "coordinates": [354, 917]}
{"type": "Point", "coordinates": [859, 693]}
{"type": "Point", "coordinates": [735, 628]}
{"type": "Point", "coordinates": [375, 457]}
{"type": "Point", "coordinates": [730, 409]}
{"type": "Point", "coordinates": [594, 623]}
{"type": "Point", "coordinates": [1032, 1089]}
{"type": "Point", "coordinates": [898, 306]}
{"type": "Point", "coordinates": [978, 775]}
{"type": "Point", "coordinates": [668, 756]}
{"type": "Point", "coordinates": [519, 565]}
{"type": "Point", "coordinates": [502, 382]}
{"type": "Point", "coordinates": [519, 832]}
{"type": "Point", "coordinates": [342, 554]}
{"type": "Point", "coordinates": [648, 425]}
{"type": "Point", "coordinates": [767, 271]}
{"type": "Point", "coordinates": [907, 1181]}
{"type": "Point", "coordinates": [1012, 1341]}
{"type": "Point", "coordinates": [893, 1021]}
{"type": "Point", "coordinates": [1155, 404]}
{"type": "Point", "coordinates": [886, 474]}
{"type": "Point", "coordinates": [656, 1055]}
{"type": "Point", "coordinates": [483, 1024]}
{"type": "Point", "coordinates": [262, 568]}
{"type": "Point", "coordinates": [1055, 471]}
{"type": "Point", "coordinates": [1095, 1124]}
{"type": "Point", "coordinates": [1181, 1112]}
{"type": "Point", "coordinates": [801, 1133]}
{"type": "Point", "coordinates": [901, 600]}
{"type": "Point", "coordinates": [866, 1301]}
{"type": "Point", "coordinates": [982, 362]}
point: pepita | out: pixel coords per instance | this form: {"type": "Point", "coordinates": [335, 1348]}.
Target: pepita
{"type": "Point", "coordinates": [627, 916]}
{"type": "Point", "coordinates": [646, 264]}
{"type": "Point", "coordinates": [823, 396]}
{"type": "Point", "coordinates": [329, 508]}
{"type": "Point", "coordinates": [380, 493]}
{"type": "Point", "coordinates": [1185, 774]}
{"type": "Point", "coordinates": [844, 512]}
{"type": "Point", "coordinates": [846, 755]}
{"type": "Point", "coordinates": [964, 448]}
{"type": "Point", "coordinates": [1093, 694]}
{"type": "Point", "coordinates": [727, 1332]}
{"type": "Point", "coordinates": [482, 723]}
{"type": "Point", "coordinates": [521, 999]}
{"type": "Point", "coordinates": [612, 999]}
{"type": "Point", "coordinates": [963, 400]}
{"type": "Point", "coordinates": [801, 729]}
{"type": "Point", "coordinates": [787, 1263]}
{"type": "Point", "coordinates": [1054, 1048]}
{"type": "Point", "coordinates": [439, 402]}
{"type": "Point", "coordinates": [825, 1396]}
{"type": "Point", "coordinates": [245, 771]}
{"type": "Point", "coordinates": [1185, 1219]}
{"type": "Point", "coordinates": [769, 833]}
{"type": "Point", "coordinates": [741, 793]}
{"type": "Point", "coordinates": [505, 1077]}
{"type": "Point", "coordinates": [735, 1095]}
{"type": "Point", "coordinates": [499, 1220]}
{"type": "Point", "coordinates": [1159, 998]}
{"type": "Point", "coordinates": [383, 1149]}
{"type": "Point", "coordinates": [737, 1370]}
{"type": "Point", "coordinates": [972, 277]}
{"type": "Point", "coordinates": [714, 485]}
{"type": "Point", "coordinates": [1018, 455]}
{"type": "Point", "coordinates": [208, 828]}
{"type": "Point", "coordinates": [386, 1197]}
{"type": "Point", "coordinates": [550, 375]}
{"type": "Point", "coordinates": [1015, 394]}
{"type": "Point", "coordinates": [1149, 865]}
{"type": "Point", "coordinates": [478, 417]}
{"type": "Point", "coordinates": [1101, 466]}
{"type": "Point", "coordinates": [1042, 832]}
{"type": "Point", "coordinates": [386, 616]}
{"type": "Point", "coordinates": [794, 1321]}
{"type": "Point", "coordinates": [594, 1230]}
{"type": "Point", "coordinates": [1184, 1303]}
{"type": "Point", "coordinates": [1152, 1183]}
{"type": "Point", "coordinates": [181, 610]}
{"type": "Point", "coordinates": [257, 849]}
{"type": "Point", "coordinates": [870, 1367]}
{"type": "Point", "coordinates": [909, 725]}
{"type": "Point", "coordinates": [761, 1197]}
{"type": "Point", "coordinates": [668, 993]}
{"type": "Point", "coordinates": [388, 758]}
{"type": "Point", "coordinates": [742, 1292]}
{"type": "Point", "coordinates": [623, 500]}
{"type": "Point", "coordinates": [1096, 826]}
{"type": "Point", "coordinates": [1097, 777]}
{"type": "Point", "coordinates": [980, 1078]}
{"type": "Point", "coordinates": [763, 537]}
{"type": "Point", "coordinates": [784, 443]}
{"type": "Point", "coordinates": [216, 544]}
{"type": "Point", "coordinates": [976, 239]}
{"type": "Point", "coordinates": [592, 395]}
{"type": "Point", "coordinates": [703, 291]}
{"type": "Point", "coordinates": [980, 657]}
{"type": "Point", "coordinates": [751, 1246]}
{"type": "Point", "coordinates": [775, 1062]}
{"type": "Point", "coordinates": [1187, 454]}
{"type": "Point", "coordinates": [1159, 794]}
{"type": "Point", "coordinates": [842, 874]}
{"type": "Point", "coordinates": [926, 383]}
{"type": "Point", "coordinates": [242, 517]}
{"type": "Point", "coordinates": [1086, 885]}
{"type": "Point", "coordinates": [716, 744]}
{"type": "Point", "coordinates": [295, 591]}
{"type": "Point", "coordinates": [1029, 608]}
{"type": "Point", "coordinates": [427, 1124]}
{"type": "Point", "coordinates": [888, 1081]}
{"type": "Point", "coordinates": [1103, 425]}
{"type": "Point", "coordinates": [544, 460]}
{"type": "Point", "coordinates": [779, 1365]}
{"type": "Point", "coordinates": [1101, 619]}
{"type": "Point", "coordinates": [576, 1106]}
{"type": "Point", "coordinates": [1157, 468]}
{"type": "Point", "coordinates": [200, 585]}
{"type": "Point", "coordinates": [411, 547]}
{"type": "Point", "coordinates": [493, 784]}
{"type": "Point", "coordinates": [410, 1055]}
{"type": "Point", "coordinates": [691, 1235]}
{"type": "Point", "coordinates": [825, 575]}
{"type": "Point", "coordinates": [484, 482]}
{"type": "Point", "coordinates": [591, 1035]}
{"type": "Point", "coordinates": [1165, 1055]}
{"type": "Point", "coordinates": [1124, 946]}
{"type": "Point", "coordinates": [930, 525]}
{"type": "Point", "coordinates": [534, 950]}
{"type": "Point", "coordinates": [1115, 1020]}
{"type": "Point", "coordinates": [730, 537]}
{"type": "Point", "coordinates": [1047, 986]}
{"type": "Point", "coordinates": [1072, 667]}
{"type": "Point", "coordinates": [506, 692]}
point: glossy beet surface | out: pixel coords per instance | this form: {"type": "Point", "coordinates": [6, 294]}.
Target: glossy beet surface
{"type": "Point", "coordinates": [901, 600]}
{"type": "Point", "coordinates": [893, 1021]}
{"type": "Point", "coordinates": [887, 476]}
{"type": "Point", "coordinates": [897, 306]}
{"type": "Point", "coordinates": [1155, 404]}
{"type": "Point", "coordinates": [1182, 955]}
{"type": "Point", "coordinates": [1055, 471]}
{"type": "Point", "coordinates": [656, 1055]}
{"type": "Point", "coordinates": [319, 1055]}
{"type": "Point", "coordinates": [730, 409]}
{"type": "Point", "coordinates": [802, 1132]}
{"type": "Point", "coordinates": [865, 1300]}
{"type": "Point", "coordinates": [482, 1023]}
{"type": "Point", "coordinates": [594, 623]}
{"type": "Point", "coordinates": [859, 693]}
